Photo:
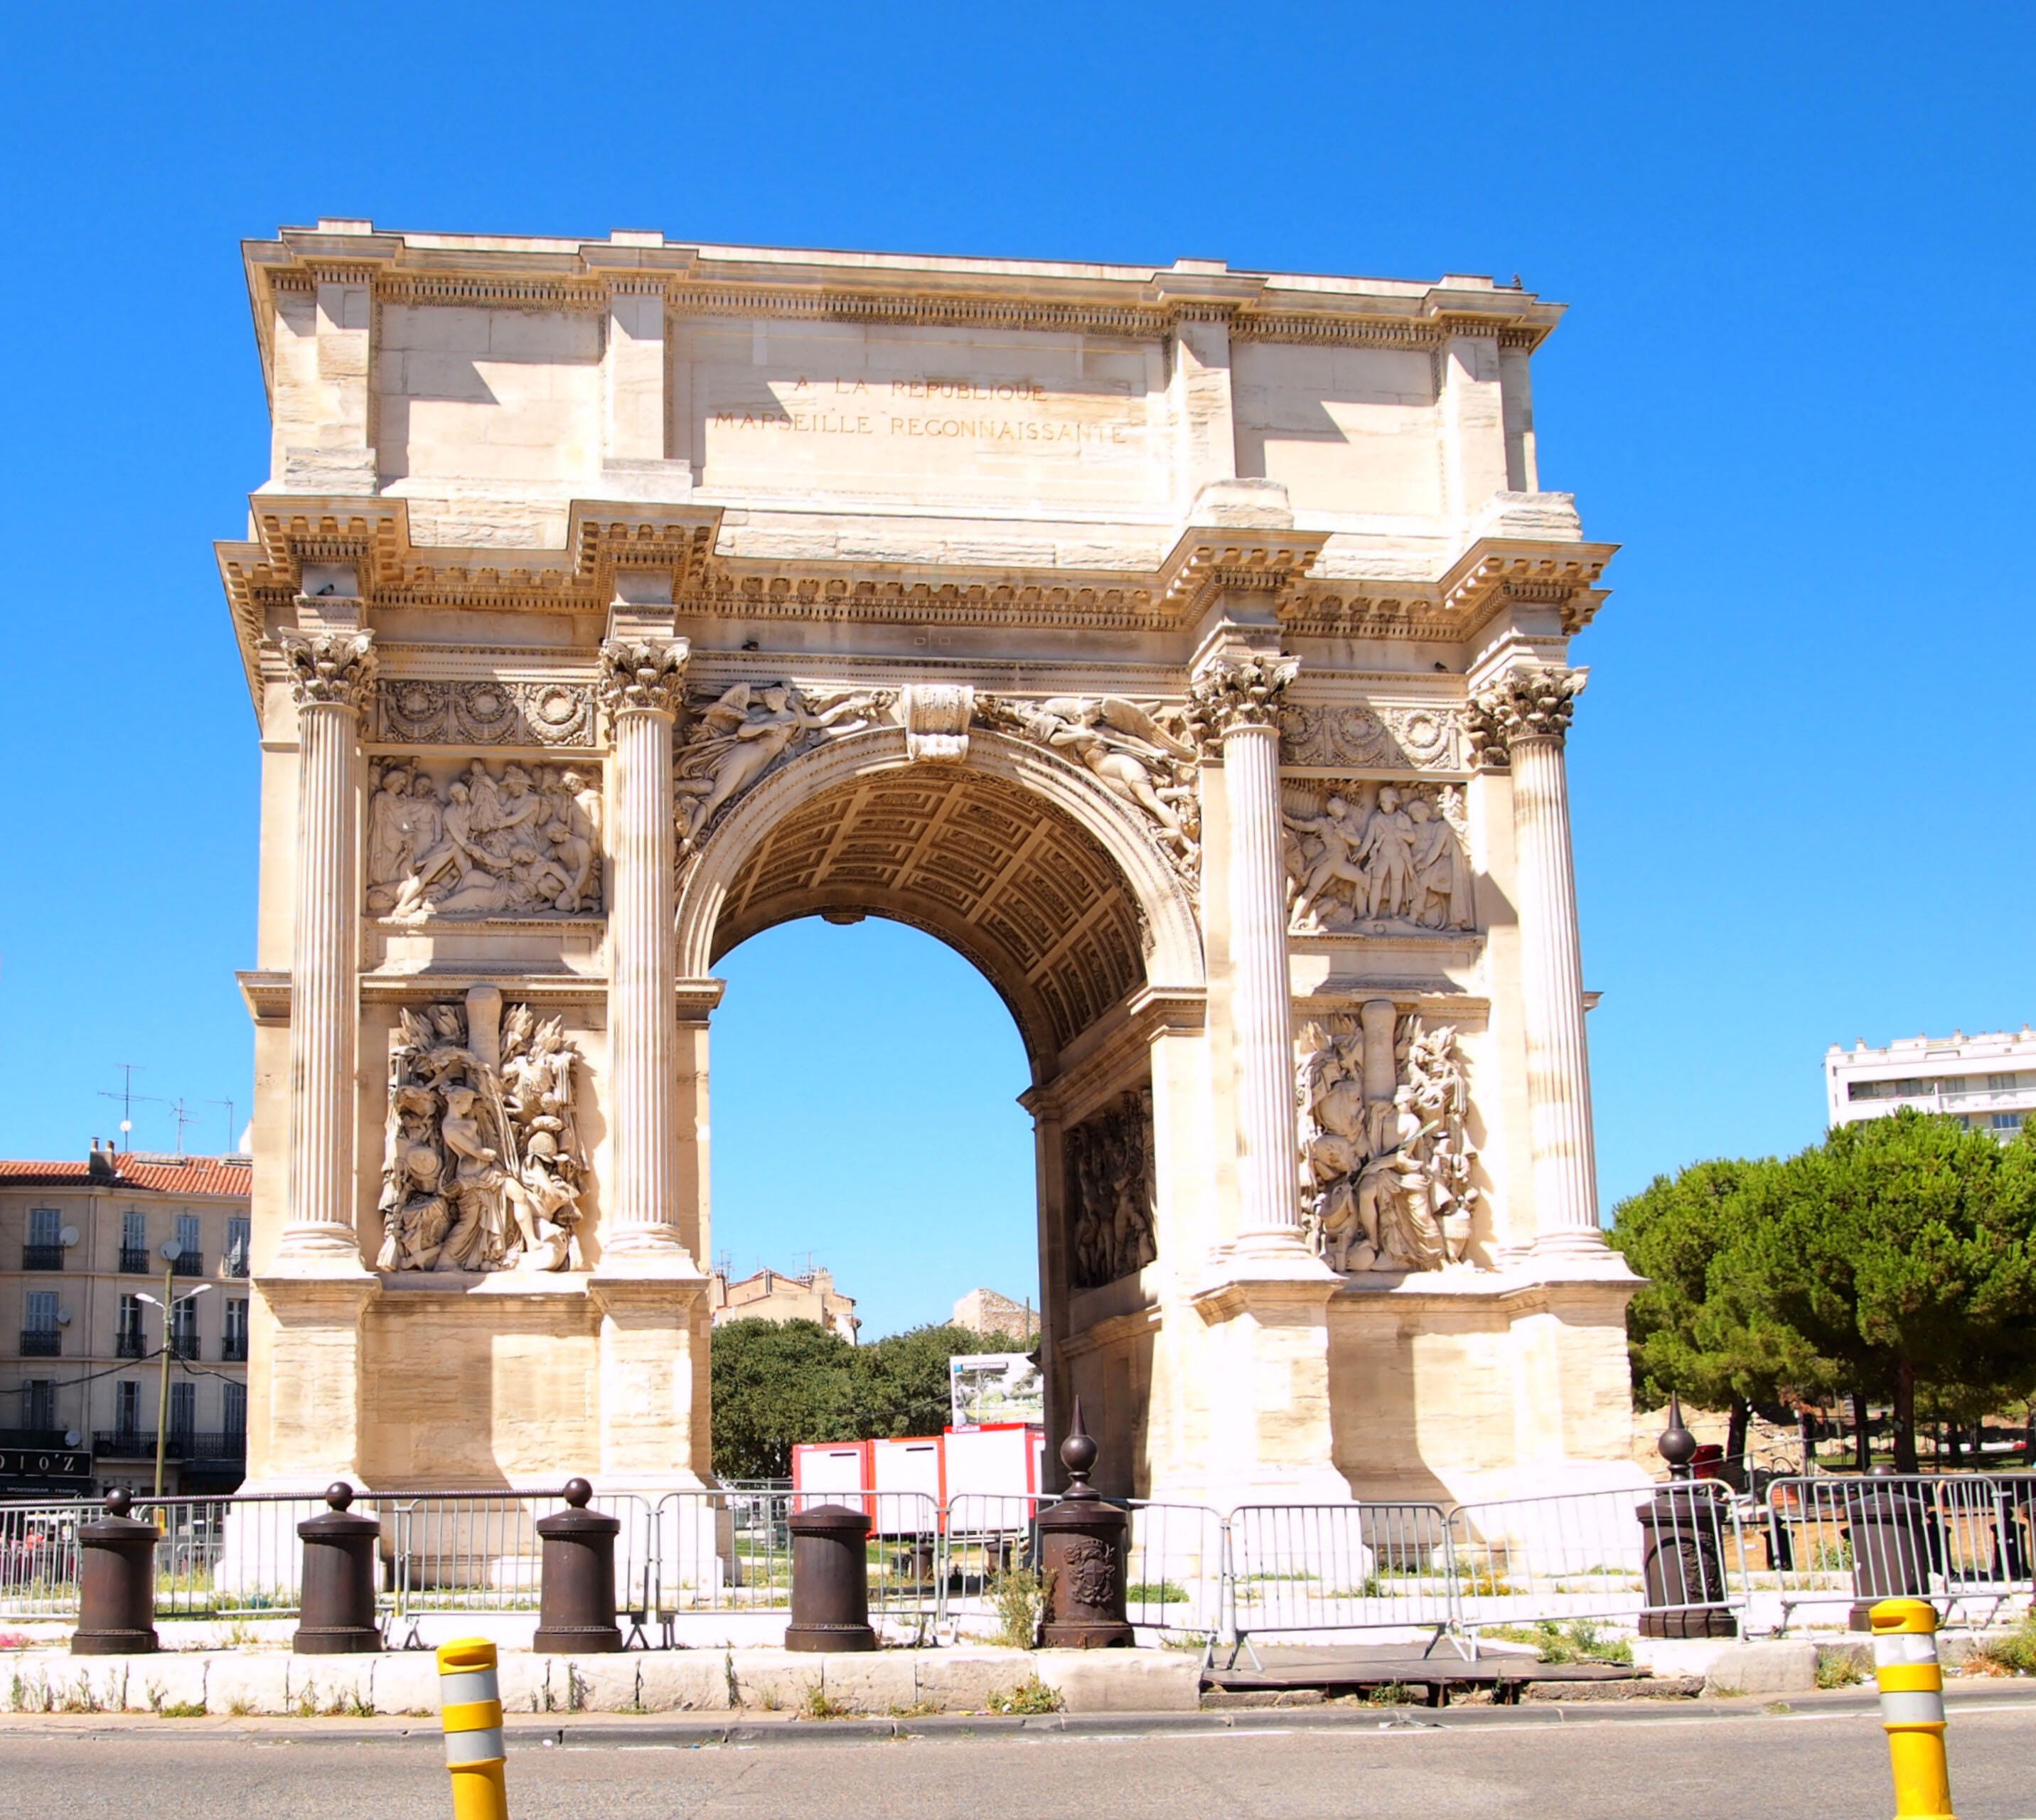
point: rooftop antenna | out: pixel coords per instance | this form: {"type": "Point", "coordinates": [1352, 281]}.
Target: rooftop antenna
{"type": "Point", "coordinates": [127, 1096]}
{"type": "Point", "coordinates": [182, 1118]}
{"type": "Point", "coordinates": [232, 1143]}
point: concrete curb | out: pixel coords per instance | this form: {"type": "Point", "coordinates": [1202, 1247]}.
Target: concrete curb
{"type": "Point", "coordinates": [609, 1731]}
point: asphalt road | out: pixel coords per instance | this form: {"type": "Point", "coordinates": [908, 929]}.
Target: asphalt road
{"type": "Point", "coordinates": [1773, 1767]}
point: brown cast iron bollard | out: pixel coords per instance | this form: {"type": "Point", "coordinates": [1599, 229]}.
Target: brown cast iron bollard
{"type": "Point", "coordinates": [576, 1613]}
{"type": "Point", "coordinates": [830, 1580]}
{"type": "Point", "coordinates": [1680, 1560]}
{"type": "Point", "coordinates": [338, 1614]}
{"type": "Point", "coordinates": [1082, 1557]}
{"type": "Point", "coordinates": [116, 1570]}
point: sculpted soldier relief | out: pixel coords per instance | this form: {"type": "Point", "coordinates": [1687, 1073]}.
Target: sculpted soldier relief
{"type": "Point", "coordinates": [506, 842]}
{"type": "Point", "coordinates": [1376, 859]}
{"type": "Point", "coordinates": [1386, 1181]}
{"type": "Point", "coordinates": [1112, 1192]}
{"type": "Point", "coordinates": [482, 1168]}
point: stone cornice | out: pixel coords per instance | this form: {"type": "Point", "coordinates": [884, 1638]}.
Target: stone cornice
{"type": "Point", "coordinates": [1134, 301]}
{"type": "Point", "coordinates": [1493, 574]}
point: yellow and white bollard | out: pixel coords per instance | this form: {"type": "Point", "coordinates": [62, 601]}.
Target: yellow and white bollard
{"type": "Point", "coordinates": [1912, 1705]}
{"type": "Point", "coordinates": [470, 1705]}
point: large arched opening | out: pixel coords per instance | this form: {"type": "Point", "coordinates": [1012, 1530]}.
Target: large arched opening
{"type": "Point", "coordinates": [1075, 916]}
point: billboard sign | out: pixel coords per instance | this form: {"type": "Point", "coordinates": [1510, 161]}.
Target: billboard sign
{"type": "Point", "coordinates": [988, 1388]}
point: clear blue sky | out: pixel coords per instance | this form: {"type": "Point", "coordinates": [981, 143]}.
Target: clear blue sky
{"type": "Point", "coordinates": [1795, 383]}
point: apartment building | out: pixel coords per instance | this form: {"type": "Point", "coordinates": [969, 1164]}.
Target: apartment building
{"type": "Point", "coordinates": [1987, 1082]}
{"type": "Point", "coordinates": [778, 1295]}
{"type": "Point", "coordinates": [90, 1254]}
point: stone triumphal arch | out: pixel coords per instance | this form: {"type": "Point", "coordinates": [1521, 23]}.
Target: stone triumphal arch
{"type": "Point", "coordinates": [1189, 648]}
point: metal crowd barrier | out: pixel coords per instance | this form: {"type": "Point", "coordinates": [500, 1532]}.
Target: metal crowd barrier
{"type": "Point", "coordinates": [1966, 1542]}
{"type": "Point", "coordinates": [713, 1567]}
{"type": "Point", "coordinates": [1343, 1568]}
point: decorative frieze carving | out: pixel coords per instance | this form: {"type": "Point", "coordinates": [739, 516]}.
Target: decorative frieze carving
{"type": "Point", "coordinates": [1387, 1161]}
{"type": "Point", "coordinates": [1376, 859]}
{"type": "Point", "coordinates": [1230, 692]}
{"type": "Point", "coordinates": [1112, 1192]}
{"type": "Point", "coordinates": [1356, 733]}
{"type": "Point", "coordinates": [482, 1168]}
{"type": "Point", "coordinates": [416, 712]}
{"type": "Point", "coordinates": [1143, 756]}
{"type": "Point", "coordinates": [643, 673]}
{"type": "Point", "coordinates": [510, 842]}
{"type": "Point", "coordinates": [733, 738]}
{"type": "Point", "coordinates": [329, 668]}
{"type": "Point", "coordinates": [1530, 701]}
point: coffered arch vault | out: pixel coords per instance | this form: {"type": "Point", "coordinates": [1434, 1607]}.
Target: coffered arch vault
{"type": "Point", "coordinates": [1012, 858]}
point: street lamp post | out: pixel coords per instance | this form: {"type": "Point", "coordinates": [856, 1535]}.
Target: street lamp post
{"type": "Point", "coordinates": [170, 1253]}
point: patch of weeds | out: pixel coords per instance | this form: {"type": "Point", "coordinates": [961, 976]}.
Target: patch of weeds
{"type": "Point", "coordinates": [770, 1701]}
{"type": "Point", "coordinates": [1029, 1697]}
{"type": "Point", "coordinates": [239, 1635]}
{"type": "Point", "coordinates": [1392, 1694]}
{"type": "Point", "coordinates": [1777, 1706]}
{"type": "Point", "coordinates": [1484, 1583]}
{"type": "Point", "coordinates": [1018, 1595]}
{"type": "Point", "coordinates": [817, 1705]}
{"type": "Point", "coordinates": [1726, 1690]}
{"type": "Point", "coordinates": [2014, 1654]}
{"type": "Point", "coordinates": [180, 1709]}
{"type": "Point", "coordinates": [1156, 1592]}
{"type": "Point", "coordinates": [79, 1698]}
{"type": "Point", "coordinates": [349, 1706]}
{"type": "Point", "coordinates": [918, 1709]}
{"type": "Point", "coordinates": [1836, 1669]}
{"type": "Point", "coordinates": [1578, 1640]}
{"type": "Point", "coordinates": [1193, 1640]}
{"type": "Point", "coordinates": [1831, 1557]}
{"type": "Point", "coordinates": [240, 1706]}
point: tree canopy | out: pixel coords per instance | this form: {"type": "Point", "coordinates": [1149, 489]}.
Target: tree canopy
{"type": "Point", "coordinates": [777, 1384]}
{"type": "Point", "coordinates": [1898, 1255]}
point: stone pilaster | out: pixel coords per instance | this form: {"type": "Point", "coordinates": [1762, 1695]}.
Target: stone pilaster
{"type": "Point", "coordinates": [1520, 720]}
{"type": "Point", "coordinates": [1234, 703]}
{"type": "Point", "coordinates": [333, 673]}
{"type": "Point", "coordinates": [642, 683]}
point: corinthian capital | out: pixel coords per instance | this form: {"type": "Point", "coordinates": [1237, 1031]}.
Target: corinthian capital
{"type": "Point", "coordinates": [1229, 693]}
{"type": "Point", "coordinates": [643, 673]}
{"type": "Point", "coordinates": [335, 668]}
{"type": "Point", "coordinates": [1528, 701]}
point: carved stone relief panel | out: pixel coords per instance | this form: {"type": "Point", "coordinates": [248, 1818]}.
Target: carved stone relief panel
{"type": "Point", "coordinates": [417, 712]}
{"type": "Point", "coordinates": [509, 840]}
{"type": "Point", "coordinates": [1393, 738]}
{"type": "Point", "coordinates": [1387, 1158]}
{"type": "Point", "coordinates": [731, 739]}
{"type": "Point", "coordinates": [1370, 858]}
{"type": "Point", "coordinates": [1143, 754]}
{"type": "Point", "coordinates": [1112, 1192]}
{"type": "Point", "coordinates": [482, 1166]}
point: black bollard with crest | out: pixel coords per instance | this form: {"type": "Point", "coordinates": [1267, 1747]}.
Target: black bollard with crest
{"type": "Point", "coordinates": [1082, 1556]}
{"type": "Point", "coordinates": [116, 1571]}
{"type": "Point", "coordinates": [830, 1580]}
{"type": "Point", "coordinates": [1682, 1558]}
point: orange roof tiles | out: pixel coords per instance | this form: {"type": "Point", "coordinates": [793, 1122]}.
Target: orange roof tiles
{"type": "Point", "coordinates": [193, 1175]}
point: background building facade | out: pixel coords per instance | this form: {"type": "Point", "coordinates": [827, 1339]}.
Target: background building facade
{"type": "Point", "coordinates": [775, 1295]}
{"type": "Point", "coordinates": [80, 1352]}
{"type": "Point", "coordinates": [1987, 1082]}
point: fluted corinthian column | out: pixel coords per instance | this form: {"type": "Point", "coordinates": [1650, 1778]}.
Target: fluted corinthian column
{"type": "Point", "coordinates": [1234, 703]}
{"type": "Point", "coordinates": [1522, 719]}
{"type": "Point", "coordinates": [332, 675]}
{"type": "Point", "coordinates": [642, 683]}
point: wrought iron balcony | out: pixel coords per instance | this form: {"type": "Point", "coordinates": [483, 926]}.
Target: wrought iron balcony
{"type": "Point", "coordinates": [234, 1263]}
{"type": "Point", "coordinates": [129, 1345]}
{"type": "Point", "coordinates": [183, 1346]}
{"type": "Point", "coordinates": [41, 1257]}
{"type": "Point", "coordinates": [233, 1349]}
{"type": "Point", "coordinates": [37, 1344]}
{"type": "Point", "coordinates": [188, 1264]}
{"type": "Point", "coordinates": [135, 1261]}
{"type": "Point", "coordinates": [184, 1444]}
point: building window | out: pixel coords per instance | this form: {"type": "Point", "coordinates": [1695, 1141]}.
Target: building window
{"type": "Point", "coordinates": [133, 1242]}
{"type": "Point", "coordinates": [2000, 1083]}
{"type": "Point", "coordinates": [40, 1338]}
{"type": "Point", "coordinates": [127, 1408]}
{"type": "Point", "coordinates": [233, 1409]}
{"type": "Point", "coordinates": [233, 1338]}
{"type": "Point", "coordinates": [183, 1410]}
{"type": "Point", "coordinates": [39, 1404]}
{"type": "Point", "coordinates": [238, 1234]}
{"type": "Point", "coordinates": [183, 1328]}
{"type": "Point", "coordinates": [2007, 1122]}
{"type": "Point", "coordinates": [44, 1249]}
{"type": "Point", "coordinates": [127, 1343]}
